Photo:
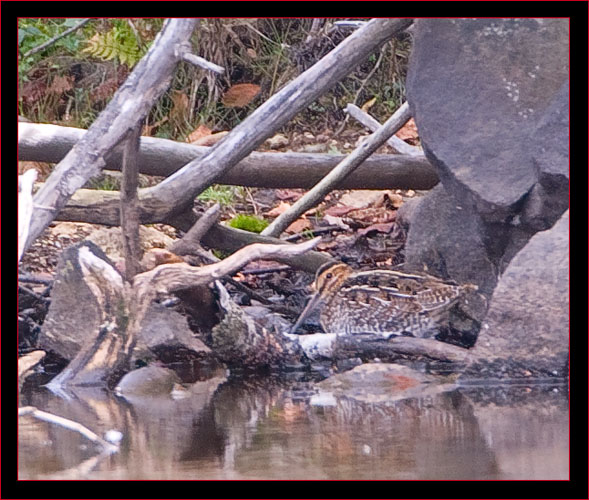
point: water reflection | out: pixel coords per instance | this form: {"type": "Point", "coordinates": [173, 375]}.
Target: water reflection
{"type": "Point", "coordinates": [273, 429]}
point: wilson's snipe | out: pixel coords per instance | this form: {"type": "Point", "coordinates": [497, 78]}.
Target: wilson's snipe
{"type": "Point", "coordinates": [383, 302]}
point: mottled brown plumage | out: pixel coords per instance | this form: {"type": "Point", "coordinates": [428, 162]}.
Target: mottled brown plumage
{"type": "Point", "coordinates": [381, 302]}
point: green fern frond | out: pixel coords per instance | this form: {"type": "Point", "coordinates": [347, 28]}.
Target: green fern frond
{"type": "Point", "coordinates": [119, 44]}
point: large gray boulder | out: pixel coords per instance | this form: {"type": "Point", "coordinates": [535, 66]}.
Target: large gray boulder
{"type": "Point", "coordinates": [526, 331]}
{"type": "Point", "coordinates": [490, 99]}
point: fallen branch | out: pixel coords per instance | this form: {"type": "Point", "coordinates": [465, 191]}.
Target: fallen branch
{"type": "Point", "coordinates": [373, 125]}
{"type": "Point", "coordinates": [332, 180]}
{"type": "Point", "coordinates": [122, 306]}
{"type": "Point", "coordinates": [202, 63]}
{"type": "Point", "coordinates": [50, 143]}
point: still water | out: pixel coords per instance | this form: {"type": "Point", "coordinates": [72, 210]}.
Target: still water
{"type": "Point", "coordinates": [272, 429]}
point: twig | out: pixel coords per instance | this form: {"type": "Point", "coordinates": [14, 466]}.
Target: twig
{"type": "Point", "coordinates": [68, 424]}
{"type": "Point", "coordinates": [26, 182]}
{"type": "Point", "coordinates": [55, 38]}
{"type": "Point", "coordinates": [190, 242]}
{"type": "Point", "coordinates": [321, 230]}
{"type": "Point", "coordinates": [349, 24]}
{"type": "Point", "coordinates": [37, 280]}
{"type": "Point", "coordinates": [373, 125]}
{"type": "Point", "coordinates": [168, 278]}
{"type": "Point", "coordinates": [331, 180]}
{"type": "Point", "coordinates": [129, 203]}
{"type": "Point", "coordinates": [203, 63]}
{"type": "Point", "coordinates": [363, 84]}
{"type": "Point", "coordinates": [268, 270]}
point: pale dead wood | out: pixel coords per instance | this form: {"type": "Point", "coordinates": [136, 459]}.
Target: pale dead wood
{"type": "Point", "coordinates": [172, 277]}
{"type": "Point", "coordinates": [373, 125]}
{"type": "Point", "coordinates": [129, 202]}
{"type": "Point", "coordinates": [191, 241]}
{"type": "Point", "coordinates": [50, 143]}
{"type": "Point", "coordinates": [203, 63]}
{"type": "Point", "coordinates": [332, 180]}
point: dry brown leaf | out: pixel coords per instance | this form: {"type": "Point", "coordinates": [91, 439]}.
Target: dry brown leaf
{"type": "Point", "coordinates": [210, 140]}
{"type": "Point", "coordinates": [372, 215]}
{"type": "Point", "coordinates": [198, 132]}
{"type": "Point", "coordinates": [298, 226]}
{"type": "Point", "coordinates": [240, 95]}
{"type": "Point", "coordinates": [339, 210]}
{"type": "Point", "coordinates": [282, 207]}
{"type": "Point", "coordinates": [409, 131]}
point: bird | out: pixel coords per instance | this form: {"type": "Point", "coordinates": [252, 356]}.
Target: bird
{"type": "Point", "coordinates": [381, 302]}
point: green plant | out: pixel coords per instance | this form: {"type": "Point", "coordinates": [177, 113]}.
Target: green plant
{"type": "Point", "coordinates": [249, 223]}
{"type": "Point", "coordinates": [225, 195]}
{"type": "Point", "coordinates": [120, 43]}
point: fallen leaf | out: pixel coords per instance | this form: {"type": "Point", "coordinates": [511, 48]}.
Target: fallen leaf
{"type": "Point", "coordinates": [276, 141]}
{"type": "Point", "coordinates": [282, 207]}
{"type": "Point", "coordinates": [210, 140]}
{"type": "Point", "coordinates": [298, 226]}
{"type": "Point", "coordinates": [362, 198]}
{"type": "Point", "coordinates": [335, 221]}
{"type": "Point", "coordinates": [198, 132]}
{"type": "Point", "coordinates": [339, 210]}
{"type": "Point", "coordinates": [240, 95]}
{"type": "Point", "coordinates": [408, 132]}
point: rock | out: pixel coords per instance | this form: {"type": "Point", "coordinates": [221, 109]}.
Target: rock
{"type": "Point", "coordinates": [490, 98]}
{"type": "Point", "coordinates": [147, 381]}
{"type": "Point", "coordinates": [74, 316]}
{"type": "Point", "coordinates": [478, 89]}
{"type": "Point", "coordinates": [166, 333]}
{"type": "Point", "coordinates": [526, 331]}
{"type": "Point", "coordinates": [452, 244]}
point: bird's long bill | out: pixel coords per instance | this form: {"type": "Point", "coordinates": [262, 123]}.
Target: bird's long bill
{"type": "Point", "coordinates": [311, 305]}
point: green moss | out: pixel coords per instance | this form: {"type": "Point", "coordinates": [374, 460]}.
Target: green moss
{"type": "Point", "coordinates": [249, 223]}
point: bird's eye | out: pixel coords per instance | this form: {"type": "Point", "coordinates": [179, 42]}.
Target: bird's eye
{"type": "Point", "coordinates": [329, 275]}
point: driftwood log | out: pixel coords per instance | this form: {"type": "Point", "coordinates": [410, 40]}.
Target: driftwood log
{"type": "Point", "coordinates": [162, 157]}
